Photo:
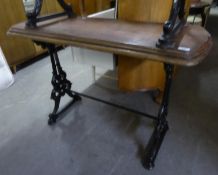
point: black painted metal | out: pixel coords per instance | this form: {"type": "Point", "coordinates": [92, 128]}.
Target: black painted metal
{"type": "Point", "coordinates": [119, 106]}
{"type": "Point", "coordinates": [174, 24]}
{"type": "Point", "coordinates": [33, 18]}
{"type": "Point", "coordinates": [67, 8]}
{"type": "Point", "coordinates": [61, 85]}
{"type": "Point", "coordinates": [51, 16]}
{"type": "Point", "coordinates": [161, 125]}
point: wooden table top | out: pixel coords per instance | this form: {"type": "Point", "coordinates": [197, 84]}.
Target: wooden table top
{"type": "Point", "coordinates": [121, 37]}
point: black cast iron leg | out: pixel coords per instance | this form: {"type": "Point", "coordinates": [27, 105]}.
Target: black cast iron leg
{"type": "Point", "coordinates": [161, 125]}
{"type": "Point", "coordinates": [53, 116]}
{"type": "Point", "coordinates": [61, 85]}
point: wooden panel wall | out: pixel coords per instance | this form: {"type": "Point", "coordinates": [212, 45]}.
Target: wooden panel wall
{"type": "Point", "coordinates": [144, 10]}
{"type": "Point", "coordinates": [91, 6]}
{"type": "Point", "coordinates": [14, 49]}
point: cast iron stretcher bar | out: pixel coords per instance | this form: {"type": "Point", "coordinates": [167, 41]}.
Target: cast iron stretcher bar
{"type": "Point", "coordinates": [179, 44]}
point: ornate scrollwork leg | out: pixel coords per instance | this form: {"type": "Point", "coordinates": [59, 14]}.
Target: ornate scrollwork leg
{"type": "Point", "coordinates": [53, 116]}
{"type": "Point", "coordinates": [67, 8]}
{"type": "Point", "coordinates": [61, 85]}
{"type": "Point", "coordinates": [33, 16]}
{"type": "Point", "coordinates": [173, 25]}
{"type": "Point", "coordinates": [161, 125]}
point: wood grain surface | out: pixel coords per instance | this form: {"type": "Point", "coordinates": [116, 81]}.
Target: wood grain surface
{"type": "Point", "coordinates": [122, 37]}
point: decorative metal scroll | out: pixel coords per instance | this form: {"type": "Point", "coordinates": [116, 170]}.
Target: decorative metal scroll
{"type": "Point", "coordinates": [33, 17]}
{"type": "Point", "coordinates": [174, 24]}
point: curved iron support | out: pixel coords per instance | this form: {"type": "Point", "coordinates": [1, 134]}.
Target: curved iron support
{"type": "Point", "coordinates": [61, 85]}
{"type": "Point", "coordinates": [33, 16]}
{"type": "Point", "coordinates": [174, 24]}
{"type": "Point", "coordinates": [68, 9]}
{"type": "Point", "coordinates": [161, 125]}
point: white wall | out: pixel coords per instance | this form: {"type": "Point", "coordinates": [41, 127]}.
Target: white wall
{"type": "Point", "coordinates": [91, 57]}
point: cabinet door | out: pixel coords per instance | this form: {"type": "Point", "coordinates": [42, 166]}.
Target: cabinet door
{"type": "Point", "coordinates": [102, 5]}
{"type": "Point", "coordinates": [91, 6]}
{"type": "Point", "coordinates": [15, 49]}
{"type": "Point", "coordinates": [51, 6]}
{"type": "Point", "coordinates": [138, 74]}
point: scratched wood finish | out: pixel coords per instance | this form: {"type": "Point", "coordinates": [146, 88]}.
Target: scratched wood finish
{"type": "Point", "coordinates": [121, 37]}
{"type": "Point", "coordinates": [136, 74]}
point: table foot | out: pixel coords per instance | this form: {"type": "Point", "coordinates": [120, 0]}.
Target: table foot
{"type": "Point", "coordinates": [154, 146]}
{"type": "Point", "coordinates": [53, 117]}
{"type": "Point", "coordinates": [161, 125]}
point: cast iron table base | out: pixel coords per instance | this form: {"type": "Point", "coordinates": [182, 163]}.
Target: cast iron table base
{"type": "Point", "coordinates": [62, 86]}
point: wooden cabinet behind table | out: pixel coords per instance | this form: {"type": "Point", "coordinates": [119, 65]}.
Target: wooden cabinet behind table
{"type": "Point", "coordinates": [138, 74]}
{"type": "Point", "coordinates": [18, 50]}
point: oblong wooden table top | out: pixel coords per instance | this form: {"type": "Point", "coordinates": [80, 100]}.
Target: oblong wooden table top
{"type": "Point", "coordinates": [122, 37]}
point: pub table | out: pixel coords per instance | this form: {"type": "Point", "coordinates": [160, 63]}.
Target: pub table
{"type": "Point", "coordinates": [172, 43]}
